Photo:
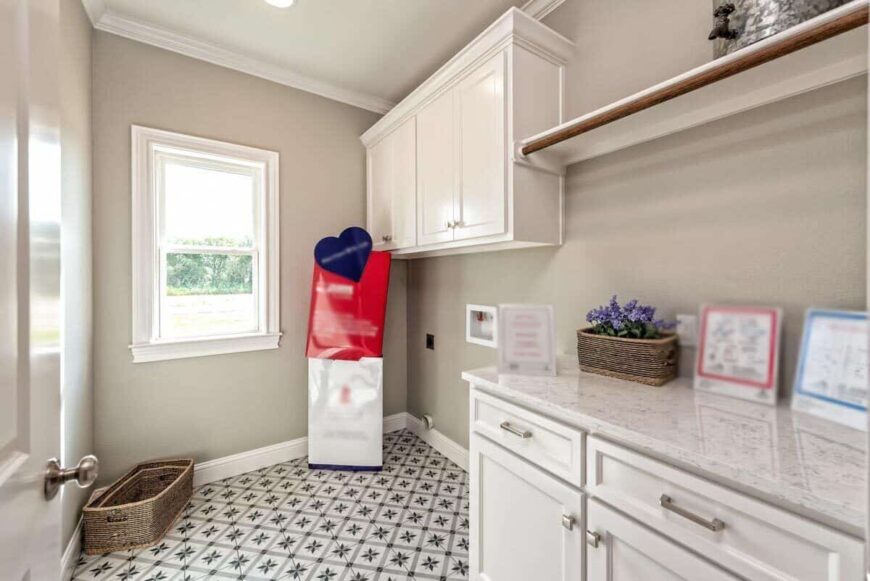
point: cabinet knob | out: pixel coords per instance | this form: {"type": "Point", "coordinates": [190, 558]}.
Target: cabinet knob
{"type": "Point", "coordinates": [451, 224]}
{"type": "Point", "coordinates": [568, 521]}
{"type": "Point", "coordinates": [593, 539]}
{"type": "Point", "coordinates": [387, 238]}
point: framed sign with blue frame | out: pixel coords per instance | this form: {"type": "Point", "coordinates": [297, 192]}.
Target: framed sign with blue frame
{"type": "Point", "coordinates": [831, 379]}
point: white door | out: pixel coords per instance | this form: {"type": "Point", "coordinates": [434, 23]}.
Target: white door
{"type": "Point", "coordinates": [480, 102]}
{"type": "Point", "coordinates": [627, 551]}
{"type": "Point", "coordinates": [436, 170]}
{"type": "Point", "coordinates": [29, 288]}
{"type": "Point", "coordinates": [404, 185]}
{"type": "Point", "coordinates": [525, 524]}
{"type": "Point", "coordinates": [379, 170]}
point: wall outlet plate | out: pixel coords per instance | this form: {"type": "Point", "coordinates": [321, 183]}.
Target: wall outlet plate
{"type": "Point", "coordinates": [687, 329]}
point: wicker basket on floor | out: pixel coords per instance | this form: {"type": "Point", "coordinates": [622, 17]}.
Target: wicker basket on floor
{"type": "Point", "coordinates": [138, 509]}
{"type": "Point", "coordinates": [648, 361]}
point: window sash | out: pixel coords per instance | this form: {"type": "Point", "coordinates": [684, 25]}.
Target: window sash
{"type": "Point", "coordinates": [190, 158]}
{"type": "Point", "coordinates": [163, 294]}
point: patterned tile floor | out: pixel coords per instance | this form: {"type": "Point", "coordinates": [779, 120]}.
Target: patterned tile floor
{"type": "Point", "coordinates": [409, 521]}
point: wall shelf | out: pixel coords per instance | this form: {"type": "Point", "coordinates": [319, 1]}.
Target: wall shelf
{"type": "Point", "coordinates": [825, 50]}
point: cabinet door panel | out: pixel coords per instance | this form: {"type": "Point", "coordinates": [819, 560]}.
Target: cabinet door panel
{"type": "Point", "coordinates": [404, 185]}
{"type": "Point", "coordinates": [379, 198]}
{"type": "Point", "coordinates": [517, 511]}
{"type": "Point", "coordinates": [436, 170]}
{"type": "Point", "coordinates": [628, 551]}
{"type": "Point", "coordinates": [480, 103]}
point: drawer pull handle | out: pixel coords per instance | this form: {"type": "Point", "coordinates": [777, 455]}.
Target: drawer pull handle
{"type": "Point", "coordinates": [568, 521]}
{"type": "Point", "coordinates": [593, 539]}
{"type": "Point", "coordinates": [524, 434]}
{"type": "Point", "coordinates": [714, 525]}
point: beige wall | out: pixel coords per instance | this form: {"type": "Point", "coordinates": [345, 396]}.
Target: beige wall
{"type": "Point", "coordinates": [767, 207]}
{"type": "Point", "coordinates": [77, 381]}
{"type": "Point", "coordinates": [214, 406]}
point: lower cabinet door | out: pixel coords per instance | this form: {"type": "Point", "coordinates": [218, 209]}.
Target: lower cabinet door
{"type": "Point", "coordinates": [525, 524]}
{"type": "Point", "coordinates": [622, 549]}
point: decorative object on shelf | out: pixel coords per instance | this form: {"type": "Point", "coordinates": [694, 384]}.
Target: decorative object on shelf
{"type": "Point", "coordinates": [481, 325]}
{"type": "Point", "coordinates": [139, 508]}
{"type": "Point", "coordinates": [738, 352]}
{"type": "Point", "coordinates": [526, 340]}
{"type": "Point", "coordinates": [628, 342]}
{"type": "Point", "coordinates": [831, 379]}
{"type": "Point", "coordinates": [739, 23]}
{"type": "Point", "coordinates": [722, 22]}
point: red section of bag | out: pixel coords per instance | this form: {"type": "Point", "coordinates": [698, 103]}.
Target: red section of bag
{"type": "Point", "coordinates": [347, 318]}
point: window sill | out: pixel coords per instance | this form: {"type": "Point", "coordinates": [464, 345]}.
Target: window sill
{"type": "Point", "coordinates": [183, 349]}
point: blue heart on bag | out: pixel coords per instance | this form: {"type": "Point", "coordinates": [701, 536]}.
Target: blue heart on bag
{"type": "Point", "coordinates": [346, 255]}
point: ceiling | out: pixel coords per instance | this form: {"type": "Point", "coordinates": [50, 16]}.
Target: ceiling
{"type": "Point", "coordinates": [369, 53]}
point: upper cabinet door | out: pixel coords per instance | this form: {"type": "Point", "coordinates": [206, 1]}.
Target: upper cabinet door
{"type": "Point", "coordinates": [480, 103]}
{"type": "Point", "coordinates": [379, 199]}
{"type": "Point", "coordinates": [404, 185]}
{"type": "Point", "coordinates": [436, 170]}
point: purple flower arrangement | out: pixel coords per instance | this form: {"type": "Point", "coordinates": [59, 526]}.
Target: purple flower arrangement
{"type": "Point", "coordinates": [631, 320]}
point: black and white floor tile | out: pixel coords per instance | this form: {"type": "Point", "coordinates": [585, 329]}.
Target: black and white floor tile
{"type": "Point", "coordinates": [409, 521]}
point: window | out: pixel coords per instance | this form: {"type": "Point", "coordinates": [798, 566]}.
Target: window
{"type": "Point", "coordinates": [205, 247]}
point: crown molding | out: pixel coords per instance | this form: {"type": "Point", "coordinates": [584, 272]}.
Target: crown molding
{"type": "Point", "coordinates": [95, 10]}
{"type": "Point", "coordinates": [538, 9]}
{"type": "Point", "coordinates": [107, 21]}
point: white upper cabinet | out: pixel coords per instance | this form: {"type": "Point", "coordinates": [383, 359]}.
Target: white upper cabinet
{"type": "Point", "coordinates": [470, 193]}
{"type": "Point", "coordinates": [392, 182]}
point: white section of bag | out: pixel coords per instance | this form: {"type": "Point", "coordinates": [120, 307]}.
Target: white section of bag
{"type": "Point", "coordinates": [345, 412]}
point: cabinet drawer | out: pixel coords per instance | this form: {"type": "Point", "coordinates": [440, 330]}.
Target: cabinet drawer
{"type": "Point", "coordinates": [744, 535]}
{"type": "Point", "coordinates": [548, 444]}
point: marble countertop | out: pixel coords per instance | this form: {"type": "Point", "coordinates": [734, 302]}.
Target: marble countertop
{"type": "Point", "coordinates": [806, 464]}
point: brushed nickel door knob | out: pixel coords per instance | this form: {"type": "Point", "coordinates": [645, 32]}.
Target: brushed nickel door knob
{"type": "Point", "coordinates": [85, 474]}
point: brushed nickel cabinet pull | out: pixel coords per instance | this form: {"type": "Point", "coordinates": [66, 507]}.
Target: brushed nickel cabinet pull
{"type": "Point", "coordinates": [524, 434]}
{"type": "Point", "coordinates": [714, 525]}
{"type": "Point", "coordinates": [568, 521]}
{"type": "Point", "coordinates": [593, 539]}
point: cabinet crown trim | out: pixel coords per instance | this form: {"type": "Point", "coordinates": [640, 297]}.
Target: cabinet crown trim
{"type": "Point", "coordinates": [513, 27]}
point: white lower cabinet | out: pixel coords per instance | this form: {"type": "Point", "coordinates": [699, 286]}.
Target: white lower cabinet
{"type": "Point", "coordinates": [536, 516]}
{"type": "Point", "coordinates": [622, 549]}
{"type": "Point", "coordinates": [525, 524]}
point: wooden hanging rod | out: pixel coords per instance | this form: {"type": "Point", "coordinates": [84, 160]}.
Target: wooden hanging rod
{"type": "Point", "coordinates": [849, 19]}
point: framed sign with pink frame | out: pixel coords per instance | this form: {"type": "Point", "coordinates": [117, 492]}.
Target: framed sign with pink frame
{"type": "Point", "coordinates": [738, 352]}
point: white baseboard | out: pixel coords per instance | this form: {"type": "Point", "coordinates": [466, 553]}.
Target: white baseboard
{"type": "Point", "coordinates": [71, 554]}
{"type": "Point", "coordinates": [229, 466]}
{"type": "Point", "coordinates": [440, 442]}
{"type": "Point", "coordinates": [396, 422]}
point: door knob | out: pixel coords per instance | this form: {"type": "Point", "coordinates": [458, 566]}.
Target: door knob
{"type": "Point", "coordinates": [85, 474]}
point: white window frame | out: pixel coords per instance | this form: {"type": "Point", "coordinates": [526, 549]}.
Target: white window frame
{"type": "Point", "coordinates": [149, 148]}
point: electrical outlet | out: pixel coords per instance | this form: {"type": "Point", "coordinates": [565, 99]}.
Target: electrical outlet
{"type": "Point", "coordinates": [430, 341]}
{"type": "Point", "coordinates": [687, 329]}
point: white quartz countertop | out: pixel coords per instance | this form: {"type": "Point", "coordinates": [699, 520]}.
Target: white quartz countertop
{"type": "Point", "coordinates": [803, 463]}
